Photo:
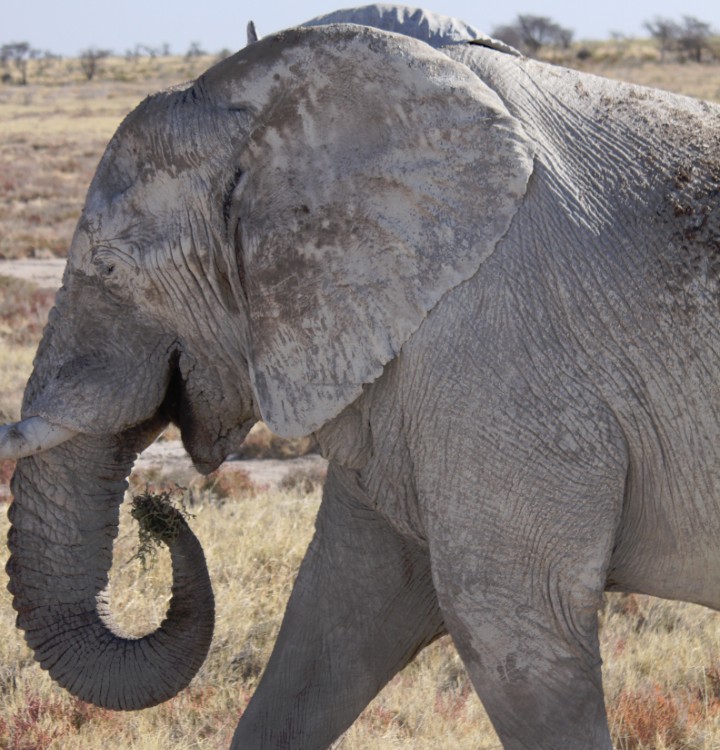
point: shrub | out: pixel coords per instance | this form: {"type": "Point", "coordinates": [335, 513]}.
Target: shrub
{"type": "Point", "coordinates": [641, 718]}
{"type": "Point", "coordinates": [221, 486]}
{"type": "Point", "coordinates": [261, 443]}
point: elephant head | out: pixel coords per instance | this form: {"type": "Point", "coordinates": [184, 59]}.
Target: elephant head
{"type": "Point", "coordinates": [256, 245]}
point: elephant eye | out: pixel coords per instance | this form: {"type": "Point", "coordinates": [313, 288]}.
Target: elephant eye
{"type": "Point", "coordinates": [103, 260]}
{"type": "Point", "coordinates": [108, 262]}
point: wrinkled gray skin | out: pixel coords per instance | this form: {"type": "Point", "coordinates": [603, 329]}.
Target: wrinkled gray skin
{"type": "Point", "coordinates": [489, 286]}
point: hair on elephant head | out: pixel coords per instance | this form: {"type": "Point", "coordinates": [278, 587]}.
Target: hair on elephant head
{"type": "Point", "coordinates": [471, 276]}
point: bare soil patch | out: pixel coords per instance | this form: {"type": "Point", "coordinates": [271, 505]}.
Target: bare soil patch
{"type": "Point", "coordinates": [168, 460]}
{"type": "Point", "coordinates": [45, 274]}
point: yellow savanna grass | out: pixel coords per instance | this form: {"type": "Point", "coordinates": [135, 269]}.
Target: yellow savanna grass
{"type": "Point", "coordinates": [662, 666]}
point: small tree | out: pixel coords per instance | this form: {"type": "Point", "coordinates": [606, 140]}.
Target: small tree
{"type": "Point", "coordinates": [90, 59]}
{"type": "Point", "coordinates": [43, 59]}
{"type": "Point", "coordinates": [195, 50]}
{"type": "Point", "coordinates": [18, 54]}
{"type": "Point", "coordinates": [694, 37]}
{"type": "Point", "coordinates": [531, 33]}
{"type": "Point", "coordinates": [665, 32]}
{"type": "Point", "coordinates": [689, 39]}
{"type": "Point", "coordinates": [510, 34]}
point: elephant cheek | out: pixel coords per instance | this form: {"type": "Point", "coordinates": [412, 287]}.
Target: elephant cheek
{"type": "Point", "coordinates": [347, 439]}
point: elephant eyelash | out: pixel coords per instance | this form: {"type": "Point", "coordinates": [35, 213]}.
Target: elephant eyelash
{"type": "Point", "coordinates": [228, 199]}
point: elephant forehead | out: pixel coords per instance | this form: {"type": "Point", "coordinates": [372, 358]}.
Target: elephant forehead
{"type": "Point", "coordinates": [170, 135]}
{"type": "Point", "coordinates": [162, 171]}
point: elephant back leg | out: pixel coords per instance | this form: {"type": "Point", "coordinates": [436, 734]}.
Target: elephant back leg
{"type": "Point", "coordinates": [520, 581]}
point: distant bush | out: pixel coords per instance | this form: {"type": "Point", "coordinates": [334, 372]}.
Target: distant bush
{"type": "Point", "coordinates": [686, 40]}
{"type": "Point", "coordinates": [530, 34]}
{"type": "Point", "coordinates": [304, 481]}
{"type": "Point", "coordinates": [90, 60]}
{"type": "Point", "coordinates": [221, 486]}
{"type": "Point", "coordinates": [17, 55]}
{"type": "Point", "coordinates": [261, 443]}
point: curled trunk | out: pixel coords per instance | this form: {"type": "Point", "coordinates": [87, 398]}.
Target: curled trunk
{"type": "Point", "coordinates": [64, 519]}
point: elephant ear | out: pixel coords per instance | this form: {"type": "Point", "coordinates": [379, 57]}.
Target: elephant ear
{"type": "Point", "coordinates": [378, 175]}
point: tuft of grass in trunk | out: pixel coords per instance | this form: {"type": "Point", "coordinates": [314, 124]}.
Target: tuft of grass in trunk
{"type": "Point", "coordinates": [160, 519]}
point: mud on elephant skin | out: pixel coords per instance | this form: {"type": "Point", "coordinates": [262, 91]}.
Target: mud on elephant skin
{"type": "Point", "coordinates": [489, 286]}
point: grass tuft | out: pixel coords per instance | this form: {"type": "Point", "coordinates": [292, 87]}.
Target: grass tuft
{"type": "Point", "coordinates": [648, 718]}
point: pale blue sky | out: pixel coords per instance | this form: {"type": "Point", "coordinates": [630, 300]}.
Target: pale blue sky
{"type": "Point", "coordinates": [67, 26]}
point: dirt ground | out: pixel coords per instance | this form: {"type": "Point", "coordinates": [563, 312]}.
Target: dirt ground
{"type": "Point", "coordinates": [47, 274]}
{"type": "Point", "coordinates": [169, 456]}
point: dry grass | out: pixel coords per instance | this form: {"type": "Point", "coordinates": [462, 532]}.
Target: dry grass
{"type": "Point", "coordinates": [662, 678]}
{"type": "Point", "coordinates": [701, 81]}
{"type": "Point", "coordinates": [638, 61]}
{"type": "Point", "coordinates": [662, 668]}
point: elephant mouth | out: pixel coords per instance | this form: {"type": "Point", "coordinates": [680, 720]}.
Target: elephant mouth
{"type": "Point", "coordinates": [206, 439]}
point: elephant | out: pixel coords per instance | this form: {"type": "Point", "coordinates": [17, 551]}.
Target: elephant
{"type": "Point", "coordinates": [487, 285]}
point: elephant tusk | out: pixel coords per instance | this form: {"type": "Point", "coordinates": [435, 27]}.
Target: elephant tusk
{"type": "Point", "coordinates": [30, 436]}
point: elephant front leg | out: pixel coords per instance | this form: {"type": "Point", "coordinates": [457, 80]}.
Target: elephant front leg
{"type": "Point", "coordinates": [362, 606]}
{"type": "Point", "coordinates": [519, 584]}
